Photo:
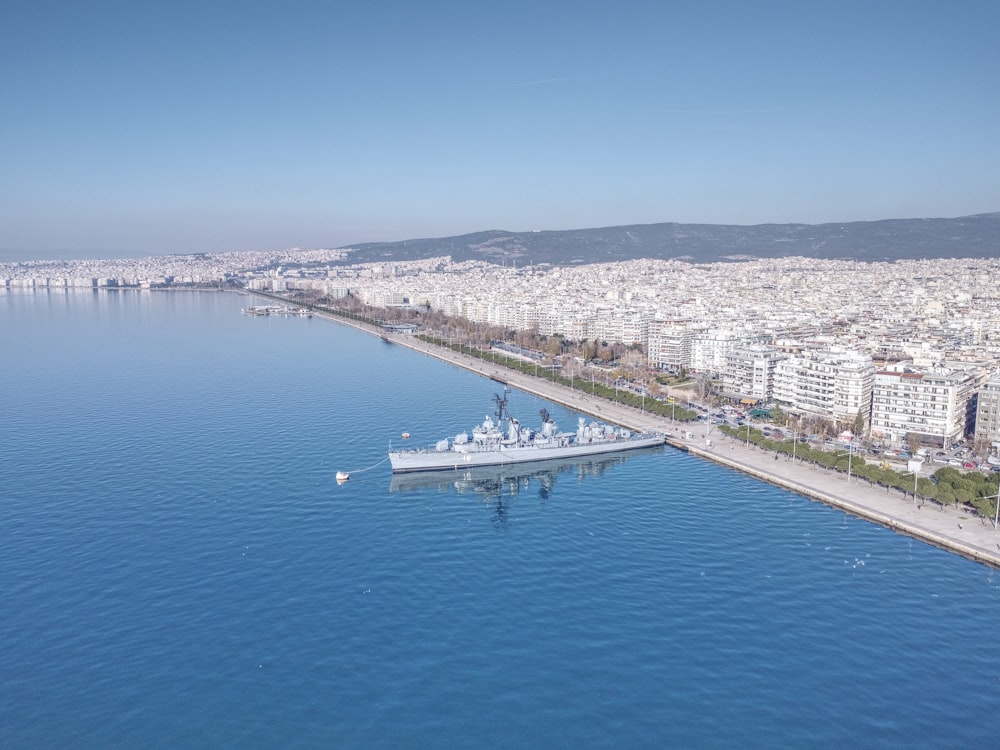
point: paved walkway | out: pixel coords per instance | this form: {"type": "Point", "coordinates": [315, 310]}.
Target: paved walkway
{"type": "Point", "coordinates": [948, 527]}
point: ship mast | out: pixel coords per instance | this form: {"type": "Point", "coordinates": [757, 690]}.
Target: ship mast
{"type": "Point", "coordinates": [501, 402]}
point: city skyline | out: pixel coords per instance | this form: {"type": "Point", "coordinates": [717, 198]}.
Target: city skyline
{"type": "Point", "coordinates": [138, 132]}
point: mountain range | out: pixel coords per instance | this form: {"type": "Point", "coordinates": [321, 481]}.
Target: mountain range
{"type": "Point", "coordinates": [976, 236]}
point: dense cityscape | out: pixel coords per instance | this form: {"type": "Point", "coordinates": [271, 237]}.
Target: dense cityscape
{"type": "Point", "coordinates": [911, 346]}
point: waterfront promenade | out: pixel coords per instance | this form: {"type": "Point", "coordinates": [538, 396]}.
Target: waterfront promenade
{"type": "Point", "coordinates": [947, 527]}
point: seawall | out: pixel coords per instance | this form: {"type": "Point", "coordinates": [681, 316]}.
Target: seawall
{"type": "Point", "coordinates": [948, 528]}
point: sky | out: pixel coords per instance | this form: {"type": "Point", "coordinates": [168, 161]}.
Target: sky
{"type": "Point", "coordinates": [133, 129]}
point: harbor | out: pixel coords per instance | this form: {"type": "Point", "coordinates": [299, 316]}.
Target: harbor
{"type": "Point", "coordinates": [264, 310]}
{"type": "Point", "coordinates": [948, 527]}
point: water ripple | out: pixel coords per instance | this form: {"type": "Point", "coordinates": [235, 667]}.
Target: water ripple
{"type": "Point", "coordinates": [180, 567]}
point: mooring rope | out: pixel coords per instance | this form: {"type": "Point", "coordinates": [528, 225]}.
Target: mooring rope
{"type": "Point", "coordinates": [358, 471]}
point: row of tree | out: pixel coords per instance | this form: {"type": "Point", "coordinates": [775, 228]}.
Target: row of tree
{"type": "Point", "coordinates": [947, 486]}
{"type": "Point", "coordinates": [591, 386]}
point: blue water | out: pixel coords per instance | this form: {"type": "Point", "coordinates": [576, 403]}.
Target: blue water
{"type": "Point", "coordinates": [180, 569]}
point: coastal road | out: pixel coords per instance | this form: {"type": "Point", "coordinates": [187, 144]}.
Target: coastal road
{"type": "Point", "coordinates": [947, 527]}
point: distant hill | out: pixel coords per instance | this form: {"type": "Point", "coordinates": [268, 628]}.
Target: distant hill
{"type": "Point", "coordinates": [886, 240]}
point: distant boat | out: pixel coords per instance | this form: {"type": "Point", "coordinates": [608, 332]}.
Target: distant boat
{"type": "Point", "coordinates": [406, 436]}
{"type": "Point", "coordinates": [504, 441]}
{"type": "Point", "coordinates": [343, 476]}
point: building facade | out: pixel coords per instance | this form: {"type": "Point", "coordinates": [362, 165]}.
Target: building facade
{"type": "Point", "coordinates": [749, 372]}
{"type": "Point", "coordinates": [928, 404]}
{"type": "Point", "coordinates": [669, 345]}
{"type": "Point", "coordinates": [833, 384]}
{"type": "Point", "coordinates": [987, 430]}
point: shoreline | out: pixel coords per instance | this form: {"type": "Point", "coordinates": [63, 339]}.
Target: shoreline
{"type": "Point", "coordinates": [946, 527]}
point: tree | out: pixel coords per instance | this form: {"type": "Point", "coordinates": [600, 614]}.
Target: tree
{"type": "Point", "coordinates": [965, 491]}
{"type": "Point", "coordinates": [858, 428]}
{"type": "Point", "coordinates": [926, 488]}
{"type": "Point", "coordinates": [703, 386]}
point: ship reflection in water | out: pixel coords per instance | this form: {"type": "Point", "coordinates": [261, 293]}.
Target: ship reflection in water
{"type": "Point", "coordinates": [499, 484]}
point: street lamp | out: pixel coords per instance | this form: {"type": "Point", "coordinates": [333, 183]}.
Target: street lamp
{"type": "Point", "coordinates": [996, 512]}
{"type": "Point", "coordinates": [850, 455]}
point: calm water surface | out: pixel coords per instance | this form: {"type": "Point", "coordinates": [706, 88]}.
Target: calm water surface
{"type": "Point", "coordinates": [180, 568]}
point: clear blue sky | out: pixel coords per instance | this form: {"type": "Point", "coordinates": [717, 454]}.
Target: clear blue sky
{"type": "Point", "coordinates": [134, 129]}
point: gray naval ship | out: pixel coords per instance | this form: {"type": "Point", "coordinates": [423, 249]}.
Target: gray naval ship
{"type": "Point", "coordinates": [504, 441]}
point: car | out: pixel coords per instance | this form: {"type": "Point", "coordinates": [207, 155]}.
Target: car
{"type": "Point", "coordinates": [954, 462]}
{"type": "Point", "coordinates": [969, 465]}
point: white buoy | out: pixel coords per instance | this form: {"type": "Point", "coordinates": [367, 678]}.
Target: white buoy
{"type": "Point", "coordinates": [343, 476]}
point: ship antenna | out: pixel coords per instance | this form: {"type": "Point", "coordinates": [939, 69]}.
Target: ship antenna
{"type": "Point", "coordinates": [501, 402]}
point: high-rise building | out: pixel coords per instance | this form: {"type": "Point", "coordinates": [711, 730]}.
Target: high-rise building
{"type": "Point", "coordinates": [929, 404]}
{"type": "Point", "coordinates": [669, 345]}
{"type": "Point", "coordinates": [988, 415]}
{"type": "Point", "coordinates": [833, 384]}
{"type": "Point", "coordinates": [749, 372]}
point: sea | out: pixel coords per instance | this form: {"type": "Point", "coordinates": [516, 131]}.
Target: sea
{"type": "Point", "coordinates": [181, 569]}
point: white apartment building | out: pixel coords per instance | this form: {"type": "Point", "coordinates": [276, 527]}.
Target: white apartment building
{"type": "Point", "coordinates": [749, 372]}
{"type": "Point", "coordinates": [988, 413]}
{"type": "Point", "coordinates": [709, 349]}
{"type": "Point", "coordinates": [627, 326]}
{"type": "Point", "coordinates": [669, 345]}
{"type": "Point", "coordinates": [930, 403]}
{"type": "Point", "coordinates": [833, 384]}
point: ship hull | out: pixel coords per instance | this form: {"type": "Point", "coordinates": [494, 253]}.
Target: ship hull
{"type": "Point", "coordinates": [432, 460]}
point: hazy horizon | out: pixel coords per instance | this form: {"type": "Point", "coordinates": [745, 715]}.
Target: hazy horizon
{"type": "Point", "coordinates": [9, 256]}
{"type": "Point", "coordinates": [137, 131]}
